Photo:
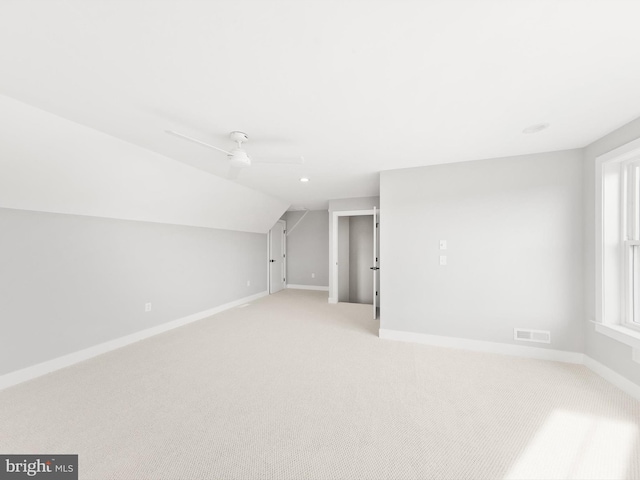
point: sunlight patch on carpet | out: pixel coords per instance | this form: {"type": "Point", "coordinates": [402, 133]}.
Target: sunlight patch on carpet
{"type": "Point", "coordinates": [577, 445]}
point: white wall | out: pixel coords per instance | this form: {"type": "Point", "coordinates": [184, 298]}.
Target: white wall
{"type": "Point", "coordinates": [361, 259]}
{"type": "Point", "coordinates": [93, 227]}
{"type": "Point", "coordinates": [609, 352]}
{"type": "Point", "coordinates": [308, 248]}
{"type": "Point", "coordinates": [514, 233]}
{"type": "Point", "coordinates": [358, 203]}
{"type": "Point", "coordinates": [70, 282]}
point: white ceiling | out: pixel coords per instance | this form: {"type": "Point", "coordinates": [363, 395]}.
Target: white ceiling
{"type": "Point", "coordinates": [354, 86]}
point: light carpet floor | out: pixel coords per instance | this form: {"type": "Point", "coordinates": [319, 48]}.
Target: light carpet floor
{"type": "Point", "coordinates": [291, 387]}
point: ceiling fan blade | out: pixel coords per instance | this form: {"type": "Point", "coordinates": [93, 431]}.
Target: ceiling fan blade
{"type": "Point", "coordinates": [233, 173]}
{"type": "Point", "coordinates": [195, 140]}
{"type": "Point", "coordinates": [283, 160]}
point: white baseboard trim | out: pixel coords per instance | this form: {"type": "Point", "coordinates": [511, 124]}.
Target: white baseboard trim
{"type": "Point", "coordinates": [307, 287]}
{"type": "Point", "coordinates": [333, 300]}
{"type": "Point", "coordinates": [49, 366]}
{"type": "Point", "coordinates": [609, 375]}
{"type": "Point", "coordinates": [483, 346]}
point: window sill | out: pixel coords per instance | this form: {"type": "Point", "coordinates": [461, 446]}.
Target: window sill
{"type": "Point", "coordinates": [622, 334]}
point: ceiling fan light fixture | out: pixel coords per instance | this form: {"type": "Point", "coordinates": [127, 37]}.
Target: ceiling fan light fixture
{"type": "Point", "coordinates": [239, 158]}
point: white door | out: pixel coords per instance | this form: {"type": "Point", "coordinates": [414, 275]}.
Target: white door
{"type": "Point", "coordinates": [277, 244]}
{"type": "Point", "coordinates": [376, 265]}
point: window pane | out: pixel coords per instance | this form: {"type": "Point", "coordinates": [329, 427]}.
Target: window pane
{"type": "Point", "coordinates": [635, 284]}
{"type": "Point", "coordinates": [635, 209]}
{"type": "Point", "coordinates": [631, 204]}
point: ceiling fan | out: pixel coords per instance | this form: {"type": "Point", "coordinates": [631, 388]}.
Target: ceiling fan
{"type": "Point", "coordinates": [238, 157]}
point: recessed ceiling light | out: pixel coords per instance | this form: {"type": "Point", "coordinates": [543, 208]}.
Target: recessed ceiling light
{"type": "Point", "coordinates": [538, 127]}
{"type": "Point", "coordinates": [304, 179]}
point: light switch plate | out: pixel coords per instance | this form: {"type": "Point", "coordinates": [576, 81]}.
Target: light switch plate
{"type": "Point", "coordinates": [443, 259]}
{"type": "Point", "coordinates": [443, 244]}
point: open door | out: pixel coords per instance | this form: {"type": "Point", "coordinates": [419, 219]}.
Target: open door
{"type": "Point", "coordinates": [277, 244]}
{"type": "Point", "coordinates": [376, 266]}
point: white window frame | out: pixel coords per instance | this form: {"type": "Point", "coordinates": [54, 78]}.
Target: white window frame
{"type": "Point", "coordinates": [616, 234]}
{"type": "Point", "coordinates": [630, 234]}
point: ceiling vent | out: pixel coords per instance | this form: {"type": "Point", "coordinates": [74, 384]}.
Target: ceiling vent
{"type": "Point", "coordinates": [525, 335]}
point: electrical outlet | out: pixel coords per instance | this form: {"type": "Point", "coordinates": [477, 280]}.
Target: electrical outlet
{"type": "Point", "coordinates": [147, 307]}
{"type": "Point", "coordinates": [443, 259]}
{"type": "Point", "coordinates": [248, 283]}
{"type": "Point", "coordinates": [313, 275]}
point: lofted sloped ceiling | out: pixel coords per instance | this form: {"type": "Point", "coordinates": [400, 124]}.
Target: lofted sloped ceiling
{"type": "Point", "coordinates": [74, 169]}
{"type": "Point", "coordinates": [355, 86]}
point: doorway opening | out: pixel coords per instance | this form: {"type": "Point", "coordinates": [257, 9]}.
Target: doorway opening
{"type": "Point", "coordinates": [355, 269]}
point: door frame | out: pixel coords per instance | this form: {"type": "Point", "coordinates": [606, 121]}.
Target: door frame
{"type": "Point", "coordinates": [376, 262]}
{"type": "Point", "coordinates": [284, 250]}
{"type": "Point", "coordinates": [333, 293]}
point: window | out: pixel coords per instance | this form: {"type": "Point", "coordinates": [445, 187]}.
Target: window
{"type": "Point", "coordinates": [630, 209]}
{"type": "Point", "coordinates": [618, 244]}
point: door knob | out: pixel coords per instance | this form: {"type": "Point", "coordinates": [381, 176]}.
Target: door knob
{"type": "Point", "coordinates": [272, 261]}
